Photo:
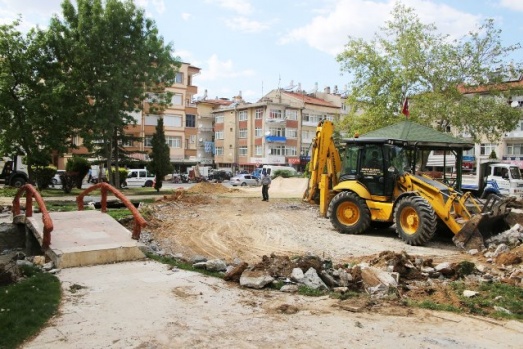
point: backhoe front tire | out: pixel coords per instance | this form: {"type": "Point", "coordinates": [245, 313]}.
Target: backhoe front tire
{"type": "Point", "coordinates": [349, 213]}
{"type": "Point", "coordinates": [415, 220]}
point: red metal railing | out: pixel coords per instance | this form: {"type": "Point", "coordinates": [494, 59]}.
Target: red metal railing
{"type": "Point", "coordinates": [31, 192]}
{"type": "Point", "coordinates": [139, 222]}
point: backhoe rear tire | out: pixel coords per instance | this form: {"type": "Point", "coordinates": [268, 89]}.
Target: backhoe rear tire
{"type": "Point", "coordinates": [415, 220]}
{"type": "Point", "coordinates": [349, 213]}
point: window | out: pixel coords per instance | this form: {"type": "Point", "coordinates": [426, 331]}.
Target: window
{"type": "Point", "coordinates": [487, 148]}
{"type": "Point", "coordinates": [177, 99]}
{"type": "Point", "coordinates": [259, 113]}
{"type": "Point", "coordinates": [515, 149]}
{"type": "Point", "coordinates": [151, 120]}
{"type": "Point", "coordinates": [218, 118]}
{"type": "Point", "coordinates": [258, 150]}
{"type": "Point", "coordinates": [290, 151]}
{"type": "Point", "coordinates": [218, 135]}
{"type": "Point", "coordinates": [190, 120]}
{"type": "Point", "coordinates": [280, 132]}
{"type": "Point", "coordinates": [291, 132]}
{"type": "Point", "coordinates": [173, 142]}
{"type": "Point", "coordinates": [243, 133]}
{"type": "Point", "coordinates": [218, 151]}
{"type": "Point", "coordinates": [137, 117]}
{"type": "Point", "coordinates": [178, 79]}
{"type": "Point", "coordinates": [280, 150]}
{"type": "Point", "coordinates": [242, 115]}
{"type": "Point", "coordinates": [291, 114]}
{"type": "Point", "coordinates": [329, 117]}
{"type": "Point", "coordinates": [172, 120]}
{"type": "Point", "coordinates": [128, 143]}
{"type": "Point", "coordinates": [275, 114]}
{"type": "Point", "coordinates": [304, 151]}
{"type": "Point", "coordinates": [313, 118]}
{"type": "Point", "coordinates": [258, 132]}
{"type": "Point", "coordinates": [148, 141]}
{"type": "Point", "coordinates": [242, 151]}
{"type": "Point", "coordinates": [307, 136]}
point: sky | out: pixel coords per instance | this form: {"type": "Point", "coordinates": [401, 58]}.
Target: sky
{"type": "Point", "coordinates": [251, 47]}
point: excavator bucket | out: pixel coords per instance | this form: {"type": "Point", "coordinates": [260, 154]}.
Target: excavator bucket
{"type": "Point", "coordinates": [484, 224]}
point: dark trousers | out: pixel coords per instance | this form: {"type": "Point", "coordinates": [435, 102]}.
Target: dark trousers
{"type": "Point", "coordinates": [265, 192]}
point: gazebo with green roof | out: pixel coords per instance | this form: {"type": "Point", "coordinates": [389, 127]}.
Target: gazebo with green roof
{"type": "Point", "coordinates": [415, 136]}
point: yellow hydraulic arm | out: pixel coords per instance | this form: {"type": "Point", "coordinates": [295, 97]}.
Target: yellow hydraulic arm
{"type": "Point", "coordinates": [324, 166]}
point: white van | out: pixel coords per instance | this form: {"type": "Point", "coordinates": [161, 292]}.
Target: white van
{"type": "Point", "coordinates": [271, 169]}
{"type": "Point", "coordinates": [138, 178]}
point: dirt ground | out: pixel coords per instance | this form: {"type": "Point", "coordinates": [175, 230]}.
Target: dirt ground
{"type": "Point", "coordinates": [217, 222]}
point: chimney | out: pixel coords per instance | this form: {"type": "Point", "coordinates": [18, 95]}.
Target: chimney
{"type": "Point", "coordinates": [327, 90]}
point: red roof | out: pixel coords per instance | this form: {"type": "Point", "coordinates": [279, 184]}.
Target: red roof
{"type": "Point", "coordinates": [217, 101]}
{"type": "Point", "coordinates": [310, 100]}
{"type": "Point", "coordinates": [502, 86]}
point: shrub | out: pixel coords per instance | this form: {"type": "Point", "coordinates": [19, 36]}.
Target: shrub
{"type": "Point", "coordinates": [283, 173]}
{"type": "Point", "coordinates": [80, 167]}
{"type": "Point", "coordinates": [43, 176]}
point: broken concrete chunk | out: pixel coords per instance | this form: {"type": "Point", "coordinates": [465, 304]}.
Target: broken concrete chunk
{"type": "Point", "coordinates": [297, 275]}
{"type": "Point", "coordinates": [257, 279]}
{"type": "Point", "coordinates": [216, 265]}
{"type": "Point", "coordinates": [312, 280]}
{"type": "Point", "coordinates": [469, 293]}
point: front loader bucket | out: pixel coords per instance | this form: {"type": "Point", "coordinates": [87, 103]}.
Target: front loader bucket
{"type": "Point", "coordinates": [482, 225]}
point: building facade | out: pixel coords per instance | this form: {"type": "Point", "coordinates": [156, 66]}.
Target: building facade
{"type": "Point", "coordinates": [276, 130]}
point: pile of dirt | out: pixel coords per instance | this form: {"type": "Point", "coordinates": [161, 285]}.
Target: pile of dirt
{"type": "Point", "coordinates": [208, 188]}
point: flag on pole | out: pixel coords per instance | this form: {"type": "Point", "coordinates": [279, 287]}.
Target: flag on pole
{"type": "Point", "coordinates": [405, 110]}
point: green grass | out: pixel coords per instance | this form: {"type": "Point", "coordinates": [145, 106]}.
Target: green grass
{"type": "Point", "coordinates": [489, 295]}
{"type": "Point", "coordinates": [26, 306]}
{"type": "Point", "coordinates": [183, 265]}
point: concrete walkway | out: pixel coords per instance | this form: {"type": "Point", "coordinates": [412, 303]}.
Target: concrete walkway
{"type": "Point", "coordinates": [146, 305]}
{"type": "Point", "coordinates": [83, 238]}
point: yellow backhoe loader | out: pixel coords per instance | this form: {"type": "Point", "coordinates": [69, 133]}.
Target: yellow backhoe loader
{"type": "Point", "coordinates": [372, 182]}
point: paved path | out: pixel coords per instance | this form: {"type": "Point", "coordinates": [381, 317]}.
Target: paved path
{"type": "Point", "coordinates": [146, 305]}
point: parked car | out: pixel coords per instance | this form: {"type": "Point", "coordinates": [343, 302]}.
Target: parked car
{"type": "Point", "coordinates": [56, 180]}
{"type": "Point", "coordinates": [138, 178]}
{"type": "Point", "coordinates": [244, 180]}
{"type": "Point", "coordinates": [219, 176]}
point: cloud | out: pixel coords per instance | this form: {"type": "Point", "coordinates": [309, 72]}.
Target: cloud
{"type": "Point", "coordinates": [242, 7]}
{"type": "Point", "coordinates": [245, 25]}
{"type": "Point", "coordinates": [217, 69]}
{"type": "Point", "coordinates": [329, 30]}
{"type": "Point", "coordinates": [158, 5]}
{"type": "Point", "coordinates": [186, 16]}
{"type": "Point", "coordinates": [515, 5]}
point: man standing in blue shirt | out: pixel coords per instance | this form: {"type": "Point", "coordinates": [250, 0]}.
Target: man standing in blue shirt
{"type": "Point", "coordinates": [266, 183]}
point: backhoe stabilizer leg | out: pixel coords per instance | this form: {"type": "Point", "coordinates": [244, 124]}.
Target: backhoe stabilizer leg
{"type": "Point", "coordinates": [469, 237]}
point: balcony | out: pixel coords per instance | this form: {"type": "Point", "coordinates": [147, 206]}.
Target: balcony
{"type": "Point", "coordinates": [275, 139]}
{"type": "Point", "coordinates": [275, 120]}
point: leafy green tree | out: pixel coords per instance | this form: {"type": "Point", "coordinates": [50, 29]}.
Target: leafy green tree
{"type": "Point", "coordinates": [410, 59]}
{"type": "Point", "coordinates": [113, 56]}
{"type": "Point", "coordinates": [35, 110]}
{"type": "Point", "coordinates": [160, 159]}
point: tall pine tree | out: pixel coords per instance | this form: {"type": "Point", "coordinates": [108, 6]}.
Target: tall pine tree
{"type": "Point", "coordinates": [160, 160]}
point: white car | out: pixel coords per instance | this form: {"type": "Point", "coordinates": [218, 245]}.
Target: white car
{"type": "Point", "coordinates": [56, 180]}
{"type": "Point", "coordinates": [244, 180]}
{"type": "Point", "coordinates": [138, 178]}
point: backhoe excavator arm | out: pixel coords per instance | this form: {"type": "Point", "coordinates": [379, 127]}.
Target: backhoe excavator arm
{"type": "Point", "coordinates": [324, 166]}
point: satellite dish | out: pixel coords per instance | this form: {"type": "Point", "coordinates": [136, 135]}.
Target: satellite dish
{"type": "Point", "coordinates": [268, 133]}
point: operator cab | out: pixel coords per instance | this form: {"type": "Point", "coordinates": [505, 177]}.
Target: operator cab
{"type": "Point", "coordinates": [373, 164]}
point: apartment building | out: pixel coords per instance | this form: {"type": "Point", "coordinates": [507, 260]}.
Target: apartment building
{"type": "Point", "coordinates": [276, 130]}
{"type": "Point", "coordinates": [510, 147]}
{"type": "Point", "coordinates": [179, 119]}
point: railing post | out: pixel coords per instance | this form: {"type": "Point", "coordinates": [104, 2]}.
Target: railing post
{"type": "Point", "coordinates": [28, 203]}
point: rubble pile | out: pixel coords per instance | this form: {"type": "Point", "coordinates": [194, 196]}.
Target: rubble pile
{"type": "Point", "coordinates": [382, 275]}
